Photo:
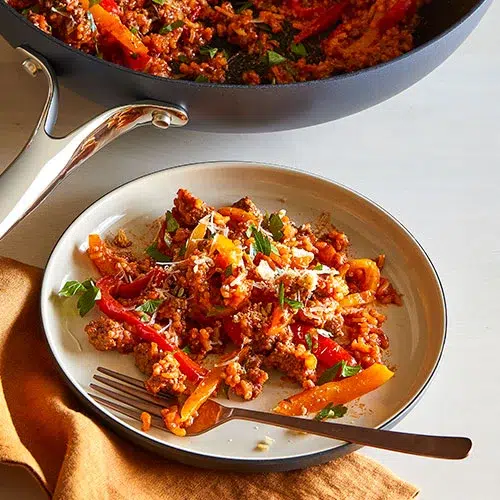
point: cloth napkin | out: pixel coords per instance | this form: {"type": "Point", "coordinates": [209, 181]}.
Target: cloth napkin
{"type": "Point", "coordinates": [44, 429]}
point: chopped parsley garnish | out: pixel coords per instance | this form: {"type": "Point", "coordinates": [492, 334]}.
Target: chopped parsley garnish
{"type": "Point", "coordinates": [331, 411]}
{"type": "Point", "coordinates": [281, 294]}
{"type": "Point", "coordinates": [299, 49]}
{"type": "Point", "coordinates": [216, 310]}
{"type": "Point", "coordinates": [155, 254]}
{"type": "Point", "coordinates": [276, 226]}
{"type": "Point", "coordinates": [273, 58]}
{"type": "Point", "coordinates": [145, 318]}
{"type": "Point", "coordinates": [294, 304]}
{"type": "Point", "coordinates": [309, 341]}
{"type": "Point", "coordinates": [88, 292]}
{"type": "Point", "coordinates": [318, 267]}
{"type": "Point", "coordinates": [169, 27]}
{"type": "Point", "coordinates": [160, 2]}
{"type": "Point", "coordinates": [134, 30]}
{"type": "Point", "coordinates": [183, 58]}
{"type": "Point", "coordinates": [186, 349]}
{"type": "Point", "coordinates": [209, 51]}
{"type": "Point", "coordinates": [149, 307]}
{"type": "Point", "coordinates": [243, 7]}
{"type": "Point", "coordinates": [340, 369]}
{"type": "Point", "coordinates": [228, 271]}
{"type": "Point", "coordinates": [261, 242]}
{"type": "Point", "coordinates": [171, 225]}
{"type": "Point", "coordinates": [201, 79]}
{"type": "Point", "coordinates": [180, 292]}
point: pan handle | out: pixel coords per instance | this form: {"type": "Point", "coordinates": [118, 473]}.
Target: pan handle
{"type": "Point", "coordinates": [46, 160]}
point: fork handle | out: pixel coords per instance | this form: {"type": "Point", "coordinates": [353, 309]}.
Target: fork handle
{"type": "Point", "coordinates": [414, 444]}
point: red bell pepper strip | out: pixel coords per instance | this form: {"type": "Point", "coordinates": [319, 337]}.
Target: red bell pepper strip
{"type": "Point", "coordinates": [110, 6]}
{"type": "Point", "coordinates": [304, 12]}
{"type": "Point", "coordinates": [397, 13]}
{"type": "Point", "coordinates": [326, 20]}
{"type": "Point", "coordinates": [137, 62]}
{"type": "Point", "coordinates": [326, 350]}
{"type": "Point", "coordinates": [131, 290]}
{"type": "Point", "coordinates": [112, 308]}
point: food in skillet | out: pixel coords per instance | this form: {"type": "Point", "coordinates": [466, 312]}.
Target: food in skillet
{"type": "Point", "coordinates": [274, 294]}
{"type": "Point", "coordinates": [244, 42]}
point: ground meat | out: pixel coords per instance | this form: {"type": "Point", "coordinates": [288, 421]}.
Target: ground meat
{"type": "Point", "coordinates": [249, 206]}
{"type": "Point", "coordinates": [188, 209]}
{"type": "Point", "coordinates": [246, 379]}
{"type": "Point", "coordinates": [146, 355]}
{"type": "Point", "coordinates": [201, 341]}
{"type": "Point", "coordinates": [295, 361]}
{"type": "Point", "coordinates": [166, 376]}
{"type": "Point", "coordinates": [108, 335]}
{"type": "Point", "coordinates": [121, 240]}
{"type": "Point", "coordinates": [173, 309]}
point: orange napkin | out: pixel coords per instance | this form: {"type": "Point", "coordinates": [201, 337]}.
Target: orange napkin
{"type": "Point", "coordinates": [44, 429]}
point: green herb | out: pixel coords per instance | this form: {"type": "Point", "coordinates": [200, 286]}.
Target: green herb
{"type": "Point", "coordinates": [274, 249]}
{"type": "Point", "coordinates": [309, 341]}
{"type": "Point", "coordinates": [134, 30]}
{"type": "Point", "coordinates": [34, 8]}
{"type": "Point", "coordinates": [182, 250]}
{"type": "Point", "coordinates": [90, 17]}
{"type": "Point", "coordinates": [171, 224]}
{"type": "Point", "coordinates": [94, 2]}
{"type": "Point", "coordinates": [331, 411]}
{"type": "Point", "coordinates": [180, 292]}
{"type": "Point", "coordinates": [155, 254]}
{"type": "Point", "coordinates": [276, 226]}
{"type": "Point", "coordinates": [201, 79]}
{"type": "Point", "coordinates": [87, 301]}
{"type": "Point", "coordinates": [209, 51]}
{"type": "Point", "coordinates": [160, 2]}
{"type": "Point", "coordinates": [262, 242]}
{"type": "Point", "coordinates": [318, 267]}
{"type": "Point", "coordinates": [228, 271]}
{"type": "Point", "coordinates": [299, 49]}
{"type": "Point", "coordinates": [340, 369]}
{"type": "Point", "coordinates": [186, 349]}
{"type": "Point", "coordinates": [243, 7]}
{"type": "Point", "coordinates": [250, 230]}
{"type": "Point", "coordinates": [216, 311]}
{"type": "Point", "coordinates": [71, 288]}
{"type": "Point", "coordinates": [183, 58]}
{"type": "Point", "coordinates": [294, 304]}
{"type": "Point", "coordinates": [169, 27]}
{"type": "Point", "coordinates": [273, 58]}
{"type": "Point", "coordinates": [145, 318]}
{"type": "Point", "coordinates": [264, 27]}
{"type": "Point", "coordinates": [149, 307]}
{"type": "Point", "coordinates": [281, 294]}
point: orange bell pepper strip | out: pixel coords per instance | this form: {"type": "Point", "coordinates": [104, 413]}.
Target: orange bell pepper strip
{"type": "Point", "coordinates": [336, 392]}
{"type": "Point", "coordinates": [107, 262]}
{"type": "Point", "coordinates": [237, 214]}
{"type": "Point", "coordinates": [198, 233]}
{"type": "Point", "coordinates": [230, 253]}
{"type": "Point", "coordinates": [371, 272]}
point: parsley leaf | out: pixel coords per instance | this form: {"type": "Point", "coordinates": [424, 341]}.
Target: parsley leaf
{"type": "Point", "coordinates": [228, 271]}
{"type": "Point", "coordinates": [134, 30]}
{"type": "Point", "coordinates": [276, 226]}
{"type": "Point", "coordinates": [294, 304]}
{"type": "Point", "coordinates": [201, 79]}
{"type": "Point", "coordinates": [183, 58]}
{"type": "Point", "coordinates": [216, 310]}
{"type": "Point", "coordinates": [160, 2]}
{"type": "Point", "coordinates": [318, 267]}
{"type": "Point", "coordinates": [149, 307]}
{"type": "Point", "coordinates": [273, 58]}
{"type": "Point", "coordinates": [87, 301]}
{"type": "Point", "coordinates": [309, 341]}
{"type": "Point", "coordinates": [281, 294]}
{"type": "Point", "coordinates": [71, 288]}
{"type": "Point", "coordinates": [243, 7]}
{"type": "Point", "coordinates": [209, 51]}
{"type": "Point", "coordinates": [262, 243]}
{"type": "Point", "coordinates": [182, 250]}
{"type": "Point", "coordinates": [299, 49]}
{"type": "Point", "coordinates": [186, 349]}
{"type": "Point", "coordinates": [145, 318]}
{"type": "Point", "coordinates": [169, 27]}
{"type": "Point", "coordinates": [171, 224]}
{"type": "Point", "coordinates": [155, 254]}
{"type": "Point", "coordinates": [330, 411]}
{"type": "Point", "coordinates": [340, 369]}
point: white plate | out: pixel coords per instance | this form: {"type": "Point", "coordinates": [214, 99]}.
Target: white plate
{"type": "Point", "coordinates": [416, 330]}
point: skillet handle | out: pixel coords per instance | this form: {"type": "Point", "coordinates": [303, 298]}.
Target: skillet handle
{"type": "Point", "coordinates": [46, 160]}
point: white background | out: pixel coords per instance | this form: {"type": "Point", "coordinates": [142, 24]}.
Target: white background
{"type": "Point", "coordinates": [430, 156]}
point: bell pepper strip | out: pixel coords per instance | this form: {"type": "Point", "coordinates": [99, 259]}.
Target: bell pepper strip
{"type": "Point", "coordinates": [336, 392]}
{"type": "Point", "coordinates": [230, 253]}
{"type": "Point", "coordinates": [357, 299]}
{"type": "Point", "coordinates": [396, 13]}
{"type": "Point", "coordinates": [137, 62]}
{"type": "Point", "coordinates": [303, 12]}
{"type": "Point", "coordinates": [326, 20]}
{"type": "Point", "coordinates": [237, 214]}
{"type": "Point", "coordinates": [106, 261]}
{"type": "Point", "coordinates": [370, 270]}
{"type": "Point", "coordinates": [233, 331]}
{"type": "Point", "coordinates": [326, 350]}
{"type": "Point", "coordinates": [208, 386]}
{"type": "Point", "coordinates": [198, 233]}
{"type": "Point", "coordinates": [113, 309]}
{"type": "Point", "coordinates": [110, 6]}
{"type": "Point", "coordinates": [131, 290]}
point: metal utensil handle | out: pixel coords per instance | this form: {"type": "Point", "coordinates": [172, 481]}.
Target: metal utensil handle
{"type": "Point", "coordinates": [46, 160]}
{"type": "Point", "coordinates": [414, 444]}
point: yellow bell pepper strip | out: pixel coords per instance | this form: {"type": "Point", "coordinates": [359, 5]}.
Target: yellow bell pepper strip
{"type": "Point", "coordinates": [230, 254]}
{"type": "Point", "coordinates": [337, 392]}
{"type": "Point", "coordinates": [371, 272]}
{"type": "Point", "coordinates": [357, 299]}
{"type": "Point", "coordinates": [198, 233]}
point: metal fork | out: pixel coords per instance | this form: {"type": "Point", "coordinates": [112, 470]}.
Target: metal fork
{"type": "Point", "coordinates": [137, 399]}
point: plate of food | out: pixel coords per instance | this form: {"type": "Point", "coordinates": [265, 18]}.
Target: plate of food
{"type": "Point", "coordinates": [280, 282]}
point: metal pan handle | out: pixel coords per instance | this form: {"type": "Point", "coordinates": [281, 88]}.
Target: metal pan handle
{"type": "Point", "coordinates": [46, 160]}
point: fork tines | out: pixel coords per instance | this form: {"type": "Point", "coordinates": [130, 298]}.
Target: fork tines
{"type": "Point", "coordinates": [132, 393]}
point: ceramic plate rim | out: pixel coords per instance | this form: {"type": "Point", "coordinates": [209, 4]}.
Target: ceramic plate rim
{"type": "Point", "coordinates": [158, 445]}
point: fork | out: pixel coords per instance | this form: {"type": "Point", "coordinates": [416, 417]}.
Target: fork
{"type": "Point", "coordinates": [132, 393]}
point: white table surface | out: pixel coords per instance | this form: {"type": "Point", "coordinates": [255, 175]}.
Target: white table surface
{"type": "Point", "coordinates": [430, 156]}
